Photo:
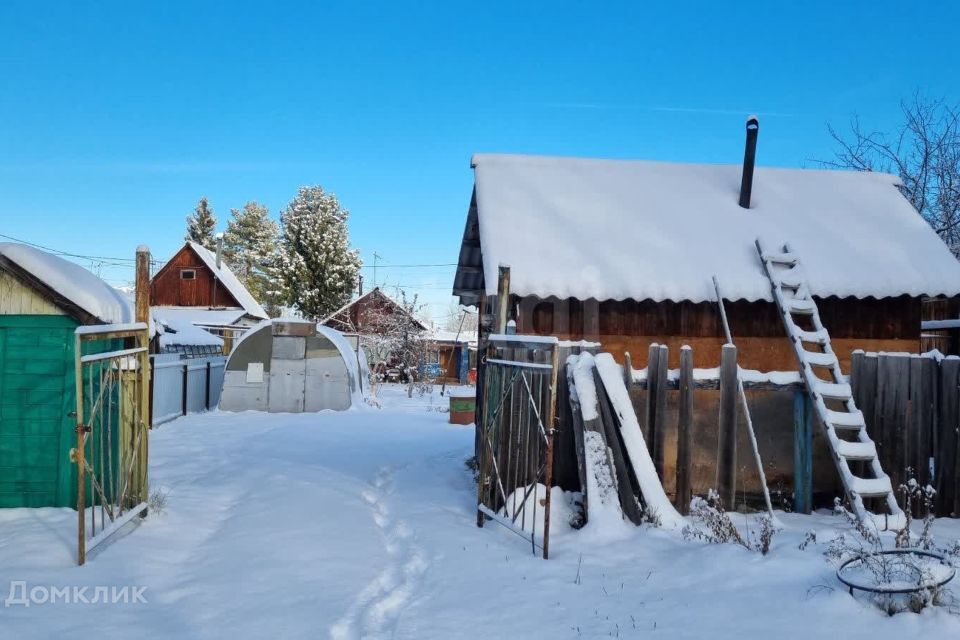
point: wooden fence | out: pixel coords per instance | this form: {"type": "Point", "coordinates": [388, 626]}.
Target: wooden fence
{"type": "Point", "coordinates": [910, 404]}
{"type": "Point", "coordinates": [695, 429]}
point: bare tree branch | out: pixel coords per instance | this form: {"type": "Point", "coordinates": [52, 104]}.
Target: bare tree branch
{"type": "Point", "coordinates": [924, 152]}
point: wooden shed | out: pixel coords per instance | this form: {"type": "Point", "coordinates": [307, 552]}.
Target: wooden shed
{"type": "Point", "coordinates": [43, 299]}
{"type": "Point", "coordinates": [448, 356]}
{"type": "Point", "coordinates": [623, 253]}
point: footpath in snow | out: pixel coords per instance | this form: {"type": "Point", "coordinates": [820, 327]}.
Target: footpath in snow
{"type": "Point", "coordinates": [362, 525]}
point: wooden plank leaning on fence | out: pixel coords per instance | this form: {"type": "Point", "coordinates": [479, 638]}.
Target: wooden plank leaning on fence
{"type": "Point", "coordinates": [627, 486]}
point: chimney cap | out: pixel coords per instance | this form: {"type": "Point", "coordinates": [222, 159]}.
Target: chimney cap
{"type": "Point", "coordinates": [753, 120]}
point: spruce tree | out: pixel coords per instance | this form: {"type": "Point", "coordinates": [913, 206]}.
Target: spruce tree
{"type": "Point", "coordinates": [250, 247]}
{"type": "Point", "coordinates": [317, 268]}
{"type": "Point", "coordinates": [201, 225]}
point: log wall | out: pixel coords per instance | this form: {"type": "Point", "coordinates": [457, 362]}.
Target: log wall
{"type": "Point", "coordinates": [889, 324]}
{"type": "Point", "coordinates": [205, 290]}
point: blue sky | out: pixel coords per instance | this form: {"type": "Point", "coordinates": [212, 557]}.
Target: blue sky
{"type": "Point", "coordinates": [115, 118]}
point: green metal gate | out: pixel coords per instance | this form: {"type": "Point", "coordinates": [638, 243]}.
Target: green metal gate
{"type": "Point", "coordinates": [36, 404]}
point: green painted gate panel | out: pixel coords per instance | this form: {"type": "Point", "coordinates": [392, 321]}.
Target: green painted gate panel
{"type": "Point", "coordinates": [37, 397]}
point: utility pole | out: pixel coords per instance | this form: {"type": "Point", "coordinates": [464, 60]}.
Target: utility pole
{"type": "Point", "coordinates": [376, 256]}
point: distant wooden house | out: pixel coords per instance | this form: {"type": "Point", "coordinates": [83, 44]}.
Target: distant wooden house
{"type": "Point", "coordinates": [196, 288]}
{"type": "Point", "coordinates": [365, 320]}
{"type": "Point", "coordinates": [43, 299]}
{"type": "Point", "coordinates": [449, 355]}
{"type": "Point", "coordinates": [373, 312]}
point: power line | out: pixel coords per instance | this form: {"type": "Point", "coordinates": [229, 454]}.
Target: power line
{"type": "Point", "coordinates": [67, 253]}
{"type": "Point", "coordinates": [379, 265]}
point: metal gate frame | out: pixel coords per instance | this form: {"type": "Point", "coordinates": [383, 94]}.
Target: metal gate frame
{"type": "Point", "coordinates": [517, 425]}
{"type": "Point", "coordinates": [113, 418]}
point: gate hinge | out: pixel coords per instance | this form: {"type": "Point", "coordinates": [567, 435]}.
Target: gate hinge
{"type": "Point", "coordinates": [84, 428]}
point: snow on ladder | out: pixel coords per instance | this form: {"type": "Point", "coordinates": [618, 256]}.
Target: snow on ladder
{"type": "Point", "coordinates": [813, 349]}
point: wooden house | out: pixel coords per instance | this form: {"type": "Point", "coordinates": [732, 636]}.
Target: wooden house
{"type": "Point", "coordinates": [43, 299]}
{"type": "Point", "coordinates": [196, 287]}
{"type": "Point", "coordinates": [372, 312]}
{"type": "Point", "coordinates": [623, 253]}
{"type": "Point", "coordinates": [367, 319]}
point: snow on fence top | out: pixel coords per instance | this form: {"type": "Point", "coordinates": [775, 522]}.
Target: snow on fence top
{"type": "Point", "coordinates": [618, 229]}
{"type": "Point", "coordinates": [71, 281]}
{"type": "Point", "coordinates": [230, 281]}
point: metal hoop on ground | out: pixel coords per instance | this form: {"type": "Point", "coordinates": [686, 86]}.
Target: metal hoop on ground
{"type": "Point", "coordinates": [852, 584]}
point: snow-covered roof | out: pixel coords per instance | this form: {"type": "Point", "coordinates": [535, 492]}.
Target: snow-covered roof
{"type": "Point", "coordinates": [230, 281]}
{"type": "Point", "coordinates": [375, 292]}
{"type": "Point", "coordinates": [445, 335]}
{"type": "Point", "coordinates": [618, 229]}
{"type": "Point", "coordinates": [180, 333]}
{"type": "Point", "coordinates": [71, 281]}
{"type": "Point", "coordinates": [198, 315]}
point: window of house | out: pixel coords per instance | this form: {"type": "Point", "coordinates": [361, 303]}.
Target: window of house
{"type": "Point", "coordinates": [188, 274]}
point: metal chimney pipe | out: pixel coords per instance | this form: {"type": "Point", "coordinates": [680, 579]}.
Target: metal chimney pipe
{"type": "Point", "coordinates": [219, 249]}
{"type": "Point", "coordinates": [749, 161]}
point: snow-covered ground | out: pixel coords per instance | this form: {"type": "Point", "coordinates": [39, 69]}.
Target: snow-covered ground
{"type": "Point", "coordinates": [362, 524]}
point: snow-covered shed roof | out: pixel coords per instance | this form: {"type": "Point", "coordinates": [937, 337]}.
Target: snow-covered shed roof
{"type": "Point", "coordinates": [179, 333]}
{"type": "Point", "coordinates": [74, 287]}
{"type": "Point", "coordinates": [198, 315]}
{"type": "Point", "coordinates": [619, 229]}
{"type": "Point", "coordinates": [230, 281]}
{"type": "Point", "coordinates": [445, 335]}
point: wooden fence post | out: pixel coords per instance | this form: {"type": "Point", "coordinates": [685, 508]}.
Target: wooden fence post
{"type": "Point", "coordinates": [503, 298]}
{"type": "Point", "coordinates": [802, 452]}
{"type": "Point", "coordinates": [653, 356]}
{"type": "Point", "coordinates": [627, 370]}
{"type": "Point", "coordinates": [684, 430]}
{"type": "Point", "coordinates": [139, 487]}
{"type": "Point", "coordinates": [658, 431]}
{"type": "Point", "coordinates": [727, 436]}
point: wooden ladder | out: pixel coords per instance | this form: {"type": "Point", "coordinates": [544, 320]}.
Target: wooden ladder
{"type": "Point", "coordinates": [843, 422]}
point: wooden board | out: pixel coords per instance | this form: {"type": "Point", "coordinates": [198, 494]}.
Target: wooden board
{"type": "Point", "coordinates": [627, 485]}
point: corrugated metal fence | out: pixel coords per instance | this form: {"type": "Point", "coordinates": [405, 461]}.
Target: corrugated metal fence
{"type": "Point", "coordinates": [179, 386]}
